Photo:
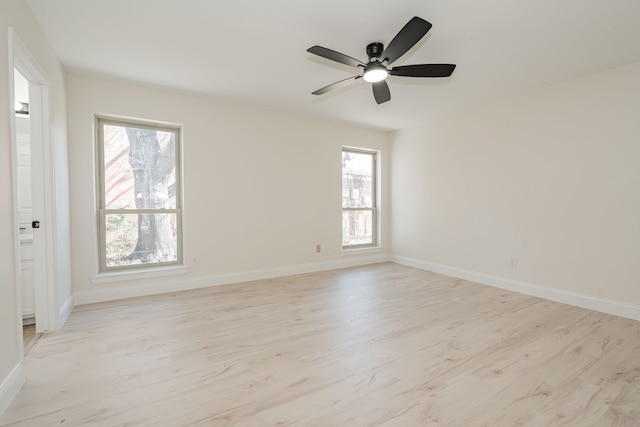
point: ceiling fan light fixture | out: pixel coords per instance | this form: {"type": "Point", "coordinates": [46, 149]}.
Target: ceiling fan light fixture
{"type": "Point", "coordinates": [375, 72]}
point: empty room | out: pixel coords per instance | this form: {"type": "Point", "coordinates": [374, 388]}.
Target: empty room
{"type": "Point", "coordinates": [416, 213]}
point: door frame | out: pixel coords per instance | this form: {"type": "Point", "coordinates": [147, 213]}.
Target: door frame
{"type": "Point", "coordinates": [43, 187]}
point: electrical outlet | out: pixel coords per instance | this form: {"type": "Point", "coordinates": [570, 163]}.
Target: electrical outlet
{"type": "Point", "coordinates": [513, 262]}
{"type": "Point", "coordinates": [196, 260]}
{"type": "Point", "coordinates": [318, 248]}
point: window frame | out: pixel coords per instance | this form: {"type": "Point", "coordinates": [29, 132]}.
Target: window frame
{"type": "Point", "coordinates": [102, 211]}
{"type": "Point", "coordinates": [374, 198]}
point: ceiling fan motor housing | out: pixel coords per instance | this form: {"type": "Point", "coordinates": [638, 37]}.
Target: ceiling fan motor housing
{"type": "Point", "coordinates": [374, 50]}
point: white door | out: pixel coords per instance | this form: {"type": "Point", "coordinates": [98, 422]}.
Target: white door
{"type": "Point", "coordinates": [41, 223]}
{"type": "Point", "coordinates": [25, 210]}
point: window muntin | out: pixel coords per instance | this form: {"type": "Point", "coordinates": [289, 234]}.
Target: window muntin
{"type": "Point", "coordinates": [139, 194]}
{"type": "Point", "coordinates": [358, 198]}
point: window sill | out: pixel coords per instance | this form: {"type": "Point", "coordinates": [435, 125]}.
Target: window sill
{"type": "Point", "coordinates": [123, 276]}
{"type": "Point", "coordinates": [360, 251]}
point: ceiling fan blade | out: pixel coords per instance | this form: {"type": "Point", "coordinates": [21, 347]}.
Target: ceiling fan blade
{"type": "Point", "coordinates": [408, 36]}
{"type": "Point", "coordinates": [335, 85]}
{"type": "Point", "coordinates": [334, 56]}
{"type": "Point", "coordinates": [381, 92]}
{"type": "Point", "coordinates": [423, 70]}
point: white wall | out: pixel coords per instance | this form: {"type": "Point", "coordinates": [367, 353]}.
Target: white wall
{"type": "Point", "coordinates": [261, 188]}
{"type": "Point", "coordinates": [15, 14]}
{"type": "Point", "coordinates": [551, 178]}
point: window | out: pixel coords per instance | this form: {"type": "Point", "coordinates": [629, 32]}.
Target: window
{"type": "Point", "coordinates": [139, 194]}
{"type": "Point", "coordinates": [358, 198]}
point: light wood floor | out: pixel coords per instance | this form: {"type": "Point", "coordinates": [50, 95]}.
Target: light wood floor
{"type": "Point", "coordinates": [379, 345]}
{"type": "Point", "coordinates": [29, 337]}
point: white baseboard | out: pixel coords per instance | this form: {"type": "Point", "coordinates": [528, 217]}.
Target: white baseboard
{"type": "Point", "coordinates": [174, 285]}
{"type": "Point", "coordinates": [10, 387]}
{"type": "Point", "coordinates": [65, 311]}
{"type": "Point", "coordinates": [617, 308]}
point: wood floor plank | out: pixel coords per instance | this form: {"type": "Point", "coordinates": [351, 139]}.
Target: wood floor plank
{"type": "Point", "coordinates": [381, 345]}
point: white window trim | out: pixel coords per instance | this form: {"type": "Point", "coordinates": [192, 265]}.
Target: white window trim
{"type": "Point", "coordinates": [374, 246]}
{"type": "Point", "coordinates": [111, 274]}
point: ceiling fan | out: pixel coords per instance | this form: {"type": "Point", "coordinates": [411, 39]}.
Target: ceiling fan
{"type": "Point", "coordinates": [376, 70]}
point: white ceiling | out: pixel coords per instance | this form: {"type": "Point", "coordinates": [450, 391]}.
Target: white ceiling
{"type": "Point", "coordinates": [254, 51]}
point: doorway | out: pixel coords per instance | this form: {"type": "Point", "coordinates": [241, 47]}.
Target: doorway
{"type": "Point", "coordinates": [32, 166]}
{"type": "Point", "coordinates": [25, 210]}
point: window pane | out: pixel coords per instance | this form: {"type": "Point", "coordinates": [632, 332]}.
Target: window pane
{"type": "Point", "coordinates": [357, 180]}
{"type": "Point", "coordinates": [357, 228]}
{"type": "Point", "coordinates": [140, 238]}
{"type": "Point", "coordinates": [139, 168]}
